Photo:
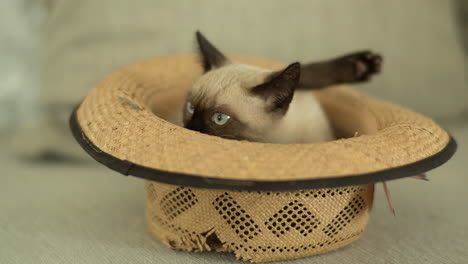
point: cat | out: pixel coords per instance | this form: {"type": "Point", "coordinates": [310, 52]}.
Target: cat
{"type": "Point", "coordinates": [244, 102]}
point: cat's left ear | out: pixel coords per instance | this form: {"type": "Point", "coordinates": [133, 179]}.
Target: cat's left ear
{"type": "Point", "coordinates": [210, 55]}
{"type": "Point", "coordinates": [279, 88]}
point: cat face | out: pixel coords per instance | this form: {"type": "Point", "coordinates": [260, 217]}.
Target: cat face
{"type": "Point", "coordinates": [237, 101]}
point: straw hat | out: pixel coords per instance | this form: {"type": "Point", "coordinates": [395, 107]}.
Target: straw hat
{"type": "Point", "coordinates": [122, 124]}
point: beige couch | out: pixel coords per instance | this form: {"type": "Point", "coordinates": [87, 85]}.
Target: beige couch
{"type": "Point", "coordinates": [70, 213]}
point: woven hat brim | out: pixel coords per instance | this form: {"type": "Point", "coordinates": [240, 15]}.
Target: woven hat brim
{"type": "Point", "coordinates": [117, 126]}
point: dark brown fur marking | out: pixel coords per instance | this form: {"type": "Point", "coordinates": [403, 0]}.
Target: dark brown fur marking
{"type": "Point", "coordinates": [210, 55]}
{"type": "Point", "coordinates": [352, 68]}
{"type": "Point", "coordinates": [201, 121]}
{"type": "Point", "coordinates": [279, 89]}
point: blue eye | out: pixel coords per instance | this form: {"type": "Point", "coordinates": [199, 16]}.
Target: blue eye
{"type": "Point", "coordinates": [220, 118]}
{"type": "Point", "coordinates": [190, 108]}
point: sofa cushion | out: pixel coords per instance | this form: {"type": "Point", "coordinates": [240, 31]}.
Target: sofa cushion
{"type": "Point", "coordinates": [86, 40]}
{"type": "Point", "coordinates": [424, 67]}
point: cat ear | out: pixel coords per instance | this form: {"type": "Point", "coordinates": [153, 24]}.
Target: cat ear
{"type": "Point", "coordinates": [210, 55]}
{"type": "Point", "coordinates": [279, 89]}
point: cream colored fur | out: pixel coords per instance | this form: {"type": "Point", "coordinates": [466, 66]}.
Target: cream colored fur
{"type": "Point", "coordinates": [304, 122]}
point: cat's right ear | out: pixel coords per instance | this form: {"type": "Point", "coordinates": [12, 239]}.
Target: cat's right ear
{"type": "Point", "coordinates": [210, 55]}
{"type": "Point", "coordinates": [278, 90]}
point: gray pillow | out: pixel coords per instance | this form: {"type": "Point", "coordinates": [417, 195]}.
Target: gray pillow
{"type": "Point", "coordinates": [423, 70]}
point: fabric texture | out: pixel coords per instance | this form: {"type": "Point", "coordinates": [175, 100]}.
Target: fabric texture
{"type": "Point", "coordinates": [58, 214]}
{"type": "Point", "coordinates": [86, 40]}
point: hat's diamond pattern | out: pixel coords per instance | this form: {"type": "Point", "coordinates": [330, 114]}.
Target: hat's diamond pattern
{"type": "Point", "coordinates": [235, 216]}
{"type": "Point", "coordinates": [292, 216]}
{"type": "Point", "coordinates": [345, 216]}
{"type": "Point", "coordinates": [178, 201]}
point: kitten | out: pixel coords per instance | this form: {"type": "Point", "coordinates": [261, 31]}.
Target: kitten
{"type": "Point", "coordinates": [244, 102]}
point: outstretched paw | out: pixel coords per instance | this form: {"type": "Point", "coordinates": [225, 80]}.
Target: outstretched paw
{"type": "Point", "coordinates": [365, 64]}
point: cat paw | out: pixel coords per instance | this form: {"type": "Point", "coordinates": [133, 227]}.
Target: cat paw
{"type": "Point", "coordinates": [365, 64]}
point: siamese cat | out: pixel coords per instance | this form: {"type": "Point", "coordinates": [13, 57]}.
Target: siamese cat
{"type": "Point", "coordinates": [243, 102]}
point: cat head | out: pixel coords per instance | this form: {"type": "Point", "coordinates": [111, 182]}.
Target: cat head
{"type": "Point", "coordinates": [237, 101]}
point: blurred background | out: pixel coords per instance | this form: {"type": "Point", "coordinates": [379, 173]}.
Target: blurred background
{"type": "Point", "coordinates": [57, 205]}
